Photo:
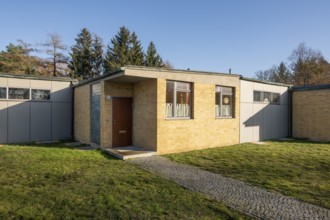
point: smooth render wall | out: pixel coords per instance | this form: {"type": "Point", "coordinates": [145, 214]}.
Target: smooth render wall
{"type": "Point", "coordinates": [262, 121]}
{"type": "Point", "coordinates": [311, 114]}
{"type": "Point", "coordinates": [30, 120]}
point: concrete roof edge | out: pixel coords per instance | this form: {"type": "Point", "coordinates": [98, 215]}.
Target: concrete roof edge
{"type": "Point", "coordinates": [36, 77]}
{"type": "Point", "coordinates": [105, 75]}
{"type": "Point", "coordinates": [160, 69]}
{"type": "Point", "coordinates": [306, 88]}
{"type": "Point", "coordinates": [265, 82]}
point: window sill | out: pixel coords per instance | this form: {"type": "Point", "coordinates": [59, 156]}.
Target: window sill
{"type": "Point", "coordinates": [224, 117]}
{"type": "Point", "coordinates": [178, 118]}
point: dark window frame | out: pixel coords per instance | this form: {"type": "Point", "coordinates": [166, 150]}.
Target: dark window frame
{"type": "Point", "coordinates": [174, 108]}
{"type": "Point", "coordinates": [13, 88]}
{"type": "Point", "coordinates": [271, 98]}
{"type": "Point", "coordinates": [221, 94]}
{"type": "Point", "coordinates": [34, 99]}
{"type": "Point", "coordinates": [6, 92]}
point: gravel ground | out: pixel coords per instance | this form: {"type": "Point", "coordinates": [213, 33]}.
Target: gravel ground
{"type": "Point", "coordinates": [248, 199]}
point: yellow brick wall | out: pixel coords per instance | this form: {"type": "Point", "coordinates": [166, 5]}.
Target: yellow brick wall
{"type": "Point", "coordinates": [82, 113]}
{"type": "Point", "coordinates": [311, 114]}
{"type": "Point", "coordinates": [145, 114]}
{"type": "Point", "coordinates": [204, 130]}
{"type": "Point", "coordinates": [113, 89]}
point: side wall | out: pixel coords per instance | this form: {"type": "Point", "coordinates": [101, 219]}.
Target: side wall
{"type": "Point", "coordinates": [82, 117]}
{"type": "Point", "coordinates": [204, 130]}
{"type": "Point", "coordinates": [145, 114]}
{"type": "Point", "coordinates": [33, 120]}
{"type": "Point", "coordinates": [262, 121]}
{"type": "Point", "coordinates": [311, 114]}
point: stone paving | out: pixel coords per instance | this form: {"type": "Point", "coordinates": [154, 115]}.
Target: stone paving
{"type": "Point", "coordinates": [250, 200]}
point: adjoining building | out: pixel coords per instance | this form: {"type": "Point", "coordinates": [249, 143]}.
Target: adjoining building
{"type": "Point", "coordinates": [311, 112]}
{"type": "Point", "coordinates": [35, 108]}
{"type": "Point", "coordinates": [264, 110]}
{"type": "Point", "coordinates": [167, 110]}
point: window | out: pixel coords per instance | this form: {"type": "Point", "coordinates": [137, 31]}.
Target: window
{"type": "Point", "coordinates": [275, 98]}
{"type": "Point", "coordinates": [178, 99]}
{"type": "Point", "coordinates": [3, 93]}
{"type": "Point", "coordinates": [224, 101]}
{"type": "Point", "coordinates": [261, 96]}
{"type": "Point", "coordinates": [257, 96]}
{"type": "Point", "coordinates": [18, 93]}
{"type": "Point", "coordinates": [267, 96]}
{"type": "Point", "coordinates": [39, 94]}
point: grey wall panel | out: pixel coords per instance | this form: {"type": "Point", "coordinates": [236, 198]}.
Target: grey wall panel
{"type": "Point", "coordinates": [41, 121]}
{"type": "Point", "coordinates": [3, 122]}
{"type": "Point", "coordinates": [246, 128]}
{"type": "Point", "coordinates": [18, 122]}
{"type": "Point", "coordinates": [266, 120]}
{"type": "Point", "coordinates": [61, 92]}
{"type": "Point", "coordinates": [61, 120]}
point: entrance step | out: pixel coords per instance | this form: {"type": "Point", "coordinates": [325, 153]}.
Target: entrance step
{"type": "Point", "coordinates": [129, 152]}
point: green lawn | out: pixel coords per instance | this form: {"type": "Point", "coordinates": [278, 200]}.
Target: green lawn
{"type": "Point", "coordinates": [297, 168]}
{"type": "Point", "coordinates": [55, 182]}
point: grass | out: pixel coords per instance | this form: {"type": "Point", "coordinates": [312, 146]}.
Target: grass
{"type": "Point", "coordinates": [56, 182]}
{"type": "Point", "coordinates": [297, 168]}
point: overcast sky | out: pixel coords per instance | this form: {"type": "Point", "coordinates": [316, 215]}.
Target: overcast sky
{"type": "Point", "coordinates": [245, 36]}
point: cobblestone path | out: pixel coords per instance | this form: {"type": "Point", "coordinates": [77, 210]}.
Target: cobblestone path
{"type": "Point", "coordinates": [250, 200]}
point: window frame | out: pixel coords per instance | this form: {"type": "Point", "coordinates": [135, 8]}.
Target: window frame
{"type": "Point", "coordinates": [9, 98]}
{"type": "Point", "coordinates": [40, 100]}
{"type": "Point", "coordinates": [262, 97]}
{"type": "Point", "coordinates": [175, 90]}
{"type": "Point", "coordinates": [6, 95]}
{"type": "Point", "coordinates": [232, 94]}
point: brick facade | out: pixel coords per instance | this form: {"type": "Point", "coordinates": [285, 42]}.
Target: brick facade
{"type": "Point", "coordinates": [311, 114]}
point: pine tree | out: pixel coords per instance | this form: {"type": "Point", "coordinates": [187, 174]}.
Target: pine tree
{"type": "Point", "coordinates": [136, 51]}
{"type": "Point", "coordinates": [152, 58]}
{"type": "Point", "coordinates": [82, 60]}
{"type": "Point", "coordinates": [98, 56]}
{"type": "Point", "coordinates": [118, 54]}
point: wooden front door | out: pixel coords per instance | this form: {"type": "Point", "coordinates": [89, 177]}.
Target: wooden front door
{"type": "Point", "coordinates": [122, 115]}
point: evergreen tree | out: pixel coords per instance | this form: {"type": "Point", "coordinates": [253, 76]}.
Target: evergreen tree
{"type": "Point", "coordinates": [82, 59]}
{"type": "Point", "coordinates": [98, 56]}
{"type": "Point", "coordinates": [118, 54]}
{"type": "Point", "coordinates": [152, 58]}
{"type": "Point", "coordinates": [136, 51]}
{"type": "Point", "coordinates": [283, 74]}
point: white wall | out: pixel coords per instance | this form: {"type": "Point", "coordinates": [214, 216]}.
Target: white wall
{"type": "Point", "coordinates": [262, 121]}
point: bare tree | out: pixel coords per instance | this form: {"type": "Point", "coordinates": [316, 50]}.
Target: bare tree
{"type": "Point", "coordinates": [307, 65]}
{"type": "Point", "coordinates": [55, 49]}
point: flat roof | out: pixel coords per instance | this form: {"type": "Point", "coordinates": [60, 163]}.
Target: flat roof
{"type": "Point", "coordinates": [265, 82]}
{"type": "Point", "coordinates": [36, 77]}
{"type": "Point", "coordinates": [306, 88]}
{"type": "Point", "coordinates": [155, 69]}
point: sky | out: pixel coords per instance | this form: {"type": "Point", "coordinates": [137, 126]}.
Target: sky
{"type": "Point", "coordinates": [208, 35]}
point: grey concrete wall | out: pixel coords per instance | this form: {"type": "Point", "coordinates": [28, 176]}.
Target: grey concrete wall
{"type": "Point", "coordinates": [31, 120]}
{"type": "Point", "coordinates": [262, 121]}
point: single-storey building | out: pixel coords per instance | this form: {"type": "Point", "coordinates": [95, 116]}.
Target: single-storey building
{"type": "Point", "coordinates": [34, 108]}
{"type": "Point", "coordinates": [311, 112]}
{"type": "Point", "coordinates": [167, 110]}
{"type": "Point", "coordinates": [159, 109]}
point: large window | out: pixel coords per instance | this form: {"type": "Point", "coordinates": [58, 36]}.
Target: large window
{"type": "Point", "coordinates": [40, 94]}
{"type": "Point", "coordinates": [178, 99]}
{"type": "Point", "coordinates": [224, 101]}
{"type": "Point", "coordinates": [270, 97]}
{"type": "Point", "coordinates": [3, 93]}
{"type": "Point", "coordinates": [18, 93]}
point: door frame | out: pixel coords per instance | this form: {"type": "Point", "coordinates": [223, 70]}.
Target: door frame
{"type": "Point", "coordinates": [112, 118]}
